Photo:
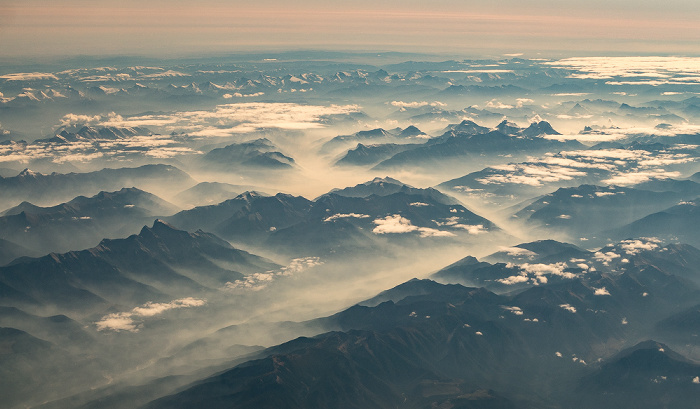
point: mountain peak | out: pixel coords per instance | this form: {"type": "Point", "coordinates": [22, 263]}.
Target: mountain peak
{"type": "Point", "coordinates": [161, 224]}
{"type": "Point", "coordinates": [507, 127]}
{"type": "Point", "coordinates": [159, 227]}
{"type": "Point", "coordinates": [540, 128]}
{"type": "Point", "coordinates": [378, 132]}
{"type": "Point", "coordinates": [29, 173]}
{"type": "Point", "coordinates": [385, 179]}
{"type": "Point", "coordinates": [411, 131]}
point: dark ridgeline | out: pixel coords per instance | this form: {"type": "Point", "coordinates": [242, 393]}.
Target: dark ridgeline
{"type": "Point", "coordinates": [424, 344]}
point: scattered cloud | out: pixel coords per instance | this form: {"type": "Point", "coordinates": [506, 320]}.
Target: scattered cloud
{"type": "Point", "coordinates": [556, 269]}
{"type": "Point", "coordinates": [70, 120]}
{"type": "Point", "coordinates": [606, 257]}
{"type": "Point", "coordinates": [498, 105]}
{"type": "Point", "coordinates": [568, 307]}
{"type": "Point", "coordinates": [132, 321]}
{"type": "Point", "coordinates": [517, 251]}
{"type": "Point", "coordinates": [345, 216]}
{"type": "Point", "coordinates": [397, 224]}
{"type": "Point", "coordinates": [516, 279]}
{"type": "Point", "coordinates": [416, 104]}
{"type": "Point", "coordinates": [636, 246]}
{"type": "Point", "coordinates": [620, 166]}
{"type": "Point", "coordinates": [259, 281]}
{"type": "Point", "coordinates": [514, 310]}
{"type": "Point", "coordinates": [522, 101]}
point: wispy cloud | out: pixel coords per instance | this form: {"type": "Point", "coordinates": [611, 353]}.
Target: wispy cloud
{"type": "Point", "coordinates": [345, 216]}
{"type": "Point", "coordinates": [132, 321]}
{"type": "Point", "coordinates": [259, 281]}
{"type": "Point", "coordinates": [417, 104]}
{"type": "Point", "coordinates": [28, 76]}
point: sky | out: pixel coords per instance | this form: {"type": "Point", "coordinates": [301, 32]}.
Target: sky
{"type": "Point", "coordinates": [35, 28]}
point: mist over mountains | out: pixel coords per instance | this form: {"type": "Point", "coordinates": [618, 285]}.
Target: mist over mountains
{"type": "Point", "coordinates": [324, 231]}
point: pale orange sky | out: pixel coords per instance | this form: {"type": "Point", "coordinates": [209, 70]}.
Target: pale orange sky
{"type": "Point", "coordinates": [176, 27]}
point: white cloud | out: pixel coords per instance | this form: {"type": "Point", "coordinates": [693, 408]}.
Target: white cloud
{"type": "Point", "coordinates": [625, 167]}
{"type": "Point", "coordinates": [522, 278]}
{"type": "Point", "coordinates": [471, 229]}
{"type": "Point", "coordinates": [479, 71]}
{"type": "Point", "coordinates": [454, 223]}
{"type": "Point", "coordinates": [230, 119]}
{"type": "Point", "coordinates": [522, 101]}
{"type": "Point", "coordinates": [223, 121]}
{"type": "Point", "coordinates": [239, 95]}
{"type": "Point", "coordinates": [133, 320]}
{"type": "Point", "coordinates": [498, 105]}
{"type": "Point", "coordinates": [639, 70]}
{"type": "Point", "coordinates": [601, 194]}
{"type": "Point", "coordinates": [345, 216]}
{"type": "Point", "coordinates": [601, 291]}
{"type": "Point", "coordinates": [259, 281]}
{"type": "Point", "coordinates": [397, 224]}
{"type": "Point", "coordinates": [29, 76]}
{"type": "Point", "coordinates": [634, 178]}
{"type": "Point", "coordinates": [537, 273]}
{"type": "Point", "coordinates": [556, 269]}
{"type": "Point", "coordinates": [164, 74]}
{"type": "Point", "coordinates": [415, 104]}
{"type": "Point", "coordinates": [635, 246]}
{"type": "Point", "coordinates": [155, 146]}
{"type": "Point", "coordinates": [79, 120]}
{"type": "Point", "coordinates": [606, 257]}
{"type": "Point", "coordinates": [571, 94]}
{"type": "Point", "coordinates": [568, 307]}
{"type": "Point", "coordinates": [514, 310]}
{"type": "Point", "coordinates": [517, 251]}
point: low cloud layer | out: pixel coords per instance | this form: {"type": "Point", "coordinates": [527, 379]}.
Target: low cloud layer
{"type": "Point", "coordinates": [638, 70]}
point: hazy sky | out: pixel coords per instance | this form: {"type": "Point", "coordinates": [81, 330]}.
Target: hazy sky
{"type": "Point", "coordinates": [178, 27]}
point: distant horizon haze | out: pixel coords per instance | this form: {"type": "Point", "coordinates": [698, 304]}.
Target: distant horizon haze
{"type": "Point", "coordinates": [156, 28]}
